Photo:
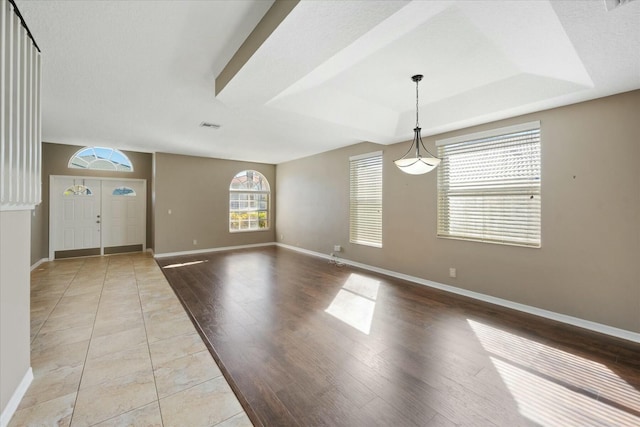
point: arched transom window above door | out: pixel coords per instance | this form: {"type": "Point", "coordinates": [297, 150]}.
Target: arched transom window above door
{"type": "Point", "coordinates": [101, 158]}
{"type": "Point", "coordinates": [249, 202]}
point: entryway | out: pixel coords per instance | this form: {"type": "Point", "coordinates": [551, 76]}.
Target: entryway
{"type": "Point", "coordinates": [96, 216]}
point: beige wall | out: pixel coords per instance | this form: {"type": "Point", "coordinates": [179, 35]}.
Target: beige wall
{"type": "Point", "coordinates": [589, 263]}
{"type": "Point", "coordinates": [196, 189]}
{"type": "Point", "coordinates": [55, 160]}
{"type": "Point", "coordinates": [14, 302]}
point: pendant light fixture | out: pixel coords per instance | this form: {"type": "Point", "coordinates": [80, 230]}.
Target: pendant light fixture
{"type": "Point", "coordinates": [418, 164]}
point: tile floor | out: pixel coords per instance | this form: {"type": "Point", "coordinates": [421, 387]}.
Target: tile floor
{"type": "Point", "coordinates": [111, 345]}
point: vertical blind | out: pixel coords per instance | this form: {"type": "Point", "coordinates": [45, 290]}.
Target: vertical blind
{"type": "Point", "coordinates": [489, 186]}
{"type": "Point", "coordinates": [20, 155]}
{"type": "Point", "coordinates": [365, 202]}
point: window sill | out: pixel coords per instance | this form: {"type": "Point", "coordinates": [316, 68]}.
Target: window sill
{"type": "Point", "coordinates": [249, 231]}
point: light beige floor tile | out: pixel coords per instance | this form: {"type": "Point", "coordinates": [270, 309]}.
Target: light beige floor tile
{"type": "Point", "coordinates": [203, 405]}
{"type": "Point", "coordinates": [50, 359]}
{"type": "Point", "coordinates": [92, 269]}
{"type": "Point", "coordinates": [111, 306]}
{"type": "Point", "coordinates": [123, 275]}
{"type": "Point", "coordinates": [118, 341]}
{"type": "Point", "coordinates": [121, 294]}
{"type": "Point", "coordinates": [90, 274]}
{"type": "Point", "coordinates": [120, 289]}
{"type": "Point", "coordinates": [40, 311]}
{"type": "Point", "coordinates": [149, 289]}
{"type": "Point", "coordinates": [82, 287]}
{"type": "Point", "coordinates": [240, 420]}
{"type": "Point", "coordinates": [120, 279]}
{"type": "Point", "coordinates": [107, 323]}
{"type": "Point", "coordinates": [112, 398]}
{"type": "Point", "coordinates": [129, 302]}
{"type": "Point", "coordinates": [174, 313]}
{"type": "Point", "coordinates": [44, 295]}
{"type": "Point", "coordinates": [35, 328]}
{"type": "Point", "coordinates": [149, 276]}
{"type": "Point", "coordinates": [47, 297]}
{"type": "Point", "coordinates": [86, 303]}
{"type": "Point", "coordinates": [154, 285]}
{"type": "Point", "coordinates": [64, 270]}
{"type": "Point", "coordinates": [149, 295]}
{"type": "Point", "coordinates": [88, 290]}
{"type": "Point", "coordinates": [157, 331]}
{"type": "Point", "coordinates": [51, 385]}
{"type": "Point", "coordinates": [174, 347]}
{"type": "Point", "coordinates": [54, 412]}
{"type": "Point", "coordinates": [76, 307]}
{"type": "Point", "coordinates": [118, 385]}
{"type": "Point", "coordinates": [184, 372]}
{"type": "Point", "coordinates": [50, 287]}
{"type": "Point", "coordinates": [147, 416]}
{"type": "Point", "coordinates": [61, 319]}
{"type": "Point", "coordinates": [60, 272]}
{"type": "Point", "coordinates": [51, 339]}
{"type": "Point", "coordinates": [115, 365]}
{"type": "Point", "coordinates": [146, 266]}
{"type": "Point", "coordinates": [80, 300]}
{"type": "Point", "coordinates": [162, 301]}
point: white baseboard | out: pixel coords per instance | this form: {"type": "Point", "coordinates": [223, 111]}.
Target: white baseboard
{"type": "Point", "coordinates": [202, 251]}
{"type": "Point", "coordinates": [37, 264]}
{"type": "Point", "coordinates": [17, 396]}
{"type": "Point", "coordinates": [563, 318]}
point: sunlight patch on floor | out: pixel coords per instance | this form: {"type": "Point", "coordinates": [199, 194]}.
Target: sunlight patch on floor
{"type": "Point", "coordinates": [184, 264]}
{"type": "Point", "coordinates": [355, 302]}
{"type": "Point", "coordinates": [554, 387]}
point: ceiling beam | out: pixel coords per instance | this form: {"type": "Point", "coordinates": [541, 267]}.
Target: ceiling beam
{"type": "Point", "coordinates": [274, 16]}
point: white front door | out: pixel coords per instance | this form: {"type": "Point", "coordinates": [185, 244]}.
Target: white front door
{"type": "Point", "coordinates": [76, 214]}
{"type": "Point", "coordinates": [124, 213]}
{"type": "Point", "coordinates": [96, 213]}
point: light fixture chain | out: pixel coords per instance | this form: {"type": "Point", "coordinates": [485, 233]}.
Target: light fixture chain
{"type": "Point", "coordinates": [417, 105]}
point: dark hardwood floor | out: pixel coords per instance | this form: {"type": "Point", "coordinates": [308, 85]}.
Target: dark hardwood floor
{"type": "Point", "coordinates": [304, 342]}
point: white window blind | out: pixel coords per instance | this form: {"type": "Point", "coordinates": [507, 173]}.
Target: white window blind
{"type": "Point", "coordinates": [365, 203]}
{"type": "Point", "coordinates": [489, 186]}
{"type": "Point", "coordinates": [20, 116]}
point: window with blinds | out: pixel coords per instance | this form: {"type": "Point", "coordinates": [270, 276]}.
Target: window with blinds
{"type": "Point", "coordinates": [365, 202]}
{"type": "Point", "coordinates": [489, 186]}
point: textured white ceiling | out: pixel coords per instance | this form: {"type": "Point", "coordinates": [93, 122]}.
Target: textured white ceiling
{"type": "Point", "coordinates": [140, 74]}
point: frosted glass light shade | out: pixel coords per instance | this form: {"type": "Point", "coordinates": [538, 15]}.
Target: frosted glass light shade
{"type": "Point", "coordinates": [417, 165]}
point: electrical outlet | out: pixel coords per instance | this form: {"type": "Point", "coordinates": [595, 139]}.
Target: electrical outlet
{"type": "Point", "coordinates": [452, 272]}
{"type": "Point", "coordinates": [169, 211]}
{"type": "Point", "coordinates": [195, 242]}
{"type": "Point", "coordinates": [337, 248]}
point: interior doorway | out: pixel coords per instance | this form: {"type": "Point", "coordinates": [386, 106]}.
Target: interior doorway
{"type": "Point", "coordinates": [96, 216]}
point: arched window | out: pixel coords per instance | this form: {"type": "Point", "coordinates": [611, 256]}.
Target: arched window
{"type": "Point", "coordinates": [249, 202]}
{"type": "Point", "coordinates": [78, 190]}
{"type": "Point", "coordinates": [123, 191]}
{"type": "Point", "coordinates": [101, 158]}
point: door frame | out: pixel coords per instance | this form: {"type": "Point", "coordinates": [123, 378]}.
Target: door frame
{"type": "Point", "coordinates": [52, 229]}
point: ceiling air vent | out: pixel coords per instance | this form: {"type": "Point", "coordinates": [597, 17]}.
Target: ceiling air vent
{"type": "Point", "coordinates": [612, 4]}
{"type": "Point", "coordinates": [209, 125]}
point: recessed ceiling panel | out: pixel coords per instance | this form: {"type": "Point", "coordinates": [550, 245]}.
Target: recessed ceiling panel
{"type": "Point", "coordinates": [460, 48]}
